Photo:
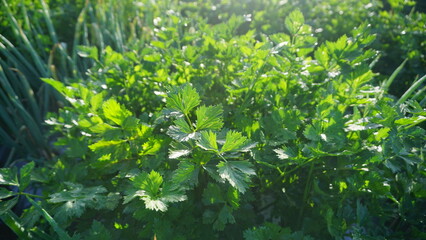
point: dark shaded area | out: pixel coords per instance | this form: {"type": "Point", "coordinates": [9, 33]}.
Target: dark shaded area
{"type": "Point", "coordinates": [6, 233]}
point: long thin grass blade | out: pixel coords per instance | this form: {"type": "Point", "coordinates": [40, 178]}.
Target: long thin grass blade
{"type": "Point", "coordinates": [413, 88]}
{"type": "Point", "coordinates": [386, 84]}
{"type": "Point", "coordinates": [419, 93]}
{"type": "Point", "coordinates": [11, 53]}
{"type": "Point", "coordinates": [63, 235]}
{"type": "Point", "coordinates": [12, 221]}
{"type": "Point", "coordinates": [20, 34]}
{"type": "Point", "coordinates": [49, 23]}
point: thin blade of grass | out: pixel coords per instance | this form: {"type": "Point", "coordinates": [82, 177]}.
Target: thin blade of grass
{"type": "Point", "coordinates": [419, 93]}
{"type": "Point", "coordinates": [65, 58]}
{"type": "Point", "coordinates": [413, 88]}
{"type": "Point", "coordinates": [27, 95]}
{"type": "Point", "coordinates": [18, 110]}
{"type": "Point", "coordinates": [50, 27]}
{"type": "Point", "coordinates": [386, 84]}
{"type": "Point", "coordinates": [63, 235]}
{"type": "Point", "coordinates": [12, 221]}
{"type": "Point", "coordinates": [11, 53]}
{"type": "Point", "coordinates": [20, 34]}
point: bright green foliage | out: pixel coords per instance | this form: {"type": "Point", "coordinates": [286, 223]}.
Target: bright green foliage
{"type": "Point", "coordinates": [25, 175]}
{"type": "Point", "coordinates": [186, 175]}
{"type": "Point", "coordinates": [148, 189]}
{"type": "Point", "coordinates": [75, 199]}
{"type": "Point", "coordinates": [87, 52]}
{"type": "Point", "coordinates": [208, 141]}
{"type": "Point", "coordinates": [8, 177]}
{"type": "Point", "coordinates": [234, 141]}
{"type": "Point", "coordinates": [236, 173]}
{"type": "Point", "coordinates": [295, 22]}
{"type": "Point", "coordinates": [219, 120]}
{"type": "Point", "coordinates": [209, 117]}
{"type": "Point", "coordinates": [114, 112]}
{"type": "Point", "coordinates": [183, 99]}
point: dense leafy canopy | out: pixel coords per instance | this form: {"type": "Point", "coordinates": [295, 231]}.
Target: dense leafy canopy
{"type": "Point", "coordinates": [207, 120]}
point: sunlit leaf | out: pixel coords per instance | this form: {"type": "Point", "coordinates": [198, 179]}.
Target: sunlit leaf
{"type": "Point", "coordinates": [183, 99]}
{"type": "Point", "coordinates": [237, 173]}
{"type": "Point", "coordinates": [209, 117]}
{"type": "Point", "coordinates": [115, 112]}
{"type": "Point", "coordinates": [233, 142]}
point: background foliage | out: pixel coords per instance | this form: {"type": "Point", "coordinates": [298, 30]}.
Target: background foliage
{"type": "Point", "coordinates": [213, 119]}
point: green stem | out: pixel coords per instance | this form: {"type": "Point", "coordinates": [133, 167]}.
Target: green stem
{"type": "Point", "coordinates": [32, 195]}
{"type": "Point", "coordinates": [220, 155]}
{"type": "Point", "coordinates": [305, 194]}
{"type": "Point", "coordinates": [190, 123]}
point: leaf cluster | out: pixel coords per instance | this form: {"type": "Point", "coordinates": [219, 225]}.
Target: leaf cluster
{"type": "Point", "coordinates": [226, 126]}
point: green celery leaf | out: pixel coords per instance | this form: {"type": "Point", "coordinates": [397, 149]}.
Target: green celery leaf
{"type": "Point", "coordinates": [4, 193]}
{"type": "Point", "coordinates": [234, 141]}
{"type": "Point", "coordinates": [75, 199]}
{"type": "Point", "coordinates": [224, 217]}
{"type": "Point", "coordinates": [155, 204]}
{"type": "Point", "coordinates": [233, 198]}
{"type": "Point", "coordinates": [183, 125]}
{"type": "Point", "coordinates": [77, 148]}
{"type": "Point", "coordinates": [96, 101]}
{"type": "Point", "coordinates": [110, 201]}
{"type": "Point", "coordinates": [110, 150]}
{"type": "Point", "coordinates": [8, 176]}
{"type": "Point", "coordinates": [178, 150]}
{"type": "Point", "coordinates": [7, 205]}
{"type": "Point", "coordinates": [115, 112]}
{"type": "Point", "coordinates": [321, 55]}
{"type": "Point", "coordinates": [382, 133]}
{"type": "Point", "coordinates": [130, 123]}
{"type": "Point", "coordinates": [95, 124]}
{"type": "Point", "coordinates": [247, 146]}
{"type": "Point", "coordinates": [183, 98]}
{"type": "Point", "coordinates": [173, 154]}
{"type": "Point", "coordinates": [209, 117]}
{"type": "Point", "coordinates": [152, 183]}
{"type": "Point", "coordinates": [186, 174]}
{"type": "Point", "coordinates": [150, 191]}
{"type": "Point", "coordinates": [212, 171]}
{"type": "Point", "coordinates": [87, 52]}
{"type": "Point", "coordinates": [60, 87]}
{"type": "Point", "coordinates": [25, 175]}
{"type": "Point", "coordinates": [98, 231]}
{"type": "Point", "coordinates": [132, 194]}
{"type": "Point", "coordinates": [313, 132]}
{"type": "Point", "coordinates": [144, 130]}
{"type": "Point", "coordinates": [208, 141]}
{"type": "Point", "coordinates": [104, 144]}
{"type": "Point", "coordinates": [294, 22]}
{"type": "Point", "coordinates": [179, 135]}
{"type": "Point", "coordinates": [172, 193]}
{"type": "Point", "coordinates": [151, 147]}
{"type": "Point", "coordinates": [410, 121]}
{"type": "Point", "coordinates": [285, 153]}
{"type": "Point", "coordinates": [237, 173]}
